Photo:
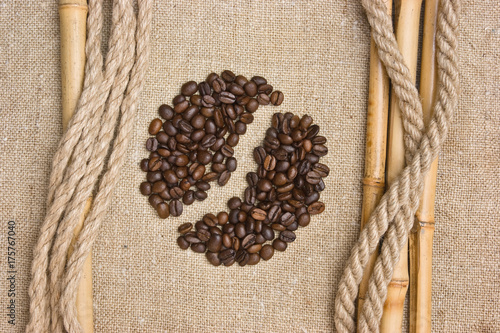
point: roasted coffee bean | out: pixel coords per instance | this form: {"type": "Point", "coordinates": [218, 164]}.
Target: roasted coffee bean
{"type": "Point", "coordinates": [182, 242]}
{"type": "Point", "coordinates": [222, 218]}
{"type": "Point", "coordinates": [287, 236]}
{"type": "Point", "coordinates": [263, 99]}
{"type": "Point", "coordinates": [200, 195]}
{"type": "Point", "coordinates": [218, 167]}
{"type": "Point", "coordinates": [254, 248]}
{"type": "Point", "coordinates": [252, 105]}
{"type": "Point", "coordinates": [163, 210]}
{"type": "Point", "coordinates": [211, 176]}
{"type": "Point", "coordinates": [274, 213]}
{"type": "Point", "coordinates": [152, 144]}
{"type": "Point", "coordinates": [204, 157]}
{"type": "Point", "coordinates": [320, 150]}
{"type": "Point", "coordinates": [185, 228]}
{"type": "Point", "coordinates": [267, 232]}
{"type": "Point", "coordinates": [278, 227]}
{"type": "Point", "coordinates": [198, 247]}
{"type": "Point", "coordinates": [250, 195]}
{"type": "Point", "coordinates": [259, 239]}
{"type": "Point", "coordinates": [316, 208]}
{"type": "Point", "coordinates": [234, 203]}
{"type": "Point", "coordinates": [210, 220]}
{"type": "Point", "coordinates": [224, 178]}
{"type": "Point", "coordinates": [277, 98]}
{"type": "Point", "coordinates": [259, 80]}
{"type": "Point", "coordinates": [227, 97]}
{"type": "Point", "coordinates": [227, 256]}
{"type": "Point", "coordinates": [269, 162]}
{"type": "Point", "coordinates": [287, 219]}
{"type": "Point", "coordinates": [153, 176]}
{"type": "Point", "coordinates": [267, 252]}
{"type": "Point", "coordinates": [252, 178]}
{"type": "Point", "coordinates": [145, 188]}
{"type": "Point", "coordinates": [265, 88]}
{"type": "Point", "coordinates": [175, 208]}
{"type": "Point", "coordinates": [215, 243]}
{"type": "Point", "coordinates": [258, 214]}
{"type": "Point", "coordinates": [166, 112]}
{"type": "Point", "coordinates": [155, 126]}
{"type": "Point", "coordinates": [227, 150]}
{"type": "Point", "coordinates": [264, 185]}
{"type": "Point", "coordinates": [259, 155]}
{"type": "Point", "coordinates": [228, 76]}
{"type": "Point", "coordinates": [188, 197]}
{"type": "Point", "coordinates": [248, 240]}
{"type": "Point", "coordinates": [213, 258]}
{"type": "Point", "coordinates": [253, 259]}
{"type": "Point", "coordinates": [176, 192]}
{"type": "Point", "coordinates": [203, 235]}
{"type": "Point", "coordinates": [233, 139]}
{"type": "Point", "coordinates": [159, 186]}
{"type": "Point", "coordinates": [312, 177]}
{"type": "Point", "coordinates": [250, 88]}
{"type": "Point", "coordinates": [189, 88]}
{"type": "Point", "coordinates": [279, 245]}
{"type": "Point", "coordinates": [231, 164]}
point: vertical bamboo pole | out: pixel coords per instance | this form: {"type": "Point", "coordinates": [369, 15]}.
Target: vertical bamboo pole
{"type": "Point", "coordinates": [72, 18]}
{"type": "Point", "coordinates": [407, 37]}
{"type": "Point", "coordinates": [375, 151]}
{"type": "Point", "coordinates": [421, 236]}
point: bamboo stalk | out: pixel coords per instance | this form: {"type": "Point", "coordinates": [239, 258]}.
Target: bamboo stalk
{"type": "Point", "coordinates": [407, 37]}
{"type": "Point", "coordinates": [422, 234]}
{"type": "Point", "coordinates": [72, 18]}
{"type": "Point", "coordinates": [375, 151]}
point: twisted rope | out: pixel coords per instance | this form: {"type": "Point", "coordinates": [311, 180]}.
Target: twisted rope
{"type": "Point", "coordinates": [105, 112]}
{"type": "Point", "coordinates": [394, 214]}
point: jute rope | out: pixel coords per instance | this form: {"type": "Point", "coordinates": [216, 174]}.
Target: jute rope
{"type": "Point", "coordinates": [88, 160]}
{"type": "Point", "coordinates": [394, 216]}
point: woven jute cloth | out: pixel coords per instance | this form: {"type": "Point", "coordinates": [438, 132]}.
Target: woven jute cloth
{"type": "Point", "coordinates": [317, 53]}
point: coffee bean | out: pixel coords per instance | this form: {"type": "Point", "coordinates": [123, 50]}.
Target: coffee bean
{"type": "Point", "coordinates": [152, 144]}
{"type": "Point", "coordinates": [231, 164]}
{"type": "Point", "coordinates": [227, 256]}
{"type": "Point", "coordinates": [163, 210]}
{"type": "Point", "coordinates": [312, 177]}
{"type": "Point", "coordinates": [287, 219]}
{"type": "Point", "coordinates": [250, 195]}
{"type": "Point", "coordinates": [210, 220]}
{"type": "Point", "coordinates": [159, 186]}
{"type": "Point", "coordinates": [183, 243]}
{"type": "Point", "coordinates": [224, 178]}
{"type": "Point", "coordinates": [228, 76]}
{"type": "Point", "coordinates": [279, 245]}
{"type": "Point", "coordinates": [155, 126]}
{"type": "Point", "coordinates": [287, 236]}
{"type": "Point", "coordinates": [200, 195]}
{"type": "Point", "coordinates": [192, 238]}
{"type": "Point", "coordinates": [252, 105]}
{"type": "Point", "coordinates": [253, 259]}
{"type": "Point", "coordinates": [203, 235]}
{"type": "Point", "coordinates": [185, 228]}
{"type": "Point", "coordinates": [227, 150]}
{"type": "Point", "coordinates": [254, 248]}
{"type": "Point", "coordinates": [267, 252]}
{"type": "Point", "coordinates": [189, 88]}
{"type": "Point", "coordinates": [248, 241]}
{"type": "Point", "coordinates": [166, 112]}
{"type": "Point", "coordinates": [316, 208]}
{"type": "Point", "coordinates": [263, 99]}
{"type": "Point", "coordinates": [320, 150]}
{"type": "Point", "coordinates": [227, 97]}
{"type": "Point", "coordinates": [211, 176]}
{"type": "Point", "coordinates": [258, 214]}
{"type": "Point", "coordinates": [222, 218]}
{"type": "Point", "coordinates": [259, 80]}
{"type": "Point", "coordinates": [175, 208]}
{"type": "Point", "coordinates": [269, 162]}
{"type": "Point", "coordinates": [145, 188]}
{"type": "Point", "coordinates": [198, 247]}
{"type": "Point", "coordinates": [277, 98]}
{"type": "Point", "coordinates": [213, 258]}
{"type": "Point", "coordinates": [153, 176]}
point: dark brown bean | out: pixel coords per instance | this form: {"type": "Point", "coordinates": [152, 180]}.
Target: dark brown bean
{"type": "Point", "coordinates": [287, 236]}
{"type": "Point", "coordinates": [316, 208]}
{"type": "Point", "coordinates": [279, 245]}
{"type": "Point", "coordinates": [183, 243]}
{"type": "Point", "coordinates": [166, 112]}
{"type": "Point", "coordinates": [253, 259]}
{"type": "Point", "coordinates": [252, 105]}
{"type": "Point", "coordinates": [277, 98]}
{"type": "Point", "coordinates": [213, 258]}
{"type": "Point", "coordinates": [189, 88]}
{"type": "Point", "coordinates": [152, 144]}
{"type": "Point", "coordinates": [185, 228]}
{"type": "Point", "coordinates": [198, 247]}
{"type": "Point", "coordinates": [175, 208]}
{"type": "Point", "coordinates": [267, 252]}
{"type": "Point", "coordinates": [145, 188]}
{"type": "Point", "coordinates": [263, 99]}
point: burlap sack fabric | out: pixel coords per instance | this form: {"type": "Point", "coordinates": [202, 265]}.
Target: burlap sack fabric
{"type": "Point", "coordinates": [315, 52]}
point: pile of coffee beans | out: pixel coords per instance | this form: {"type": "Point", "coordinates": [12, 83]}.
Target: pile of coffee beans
{"type": "Point", "coordinates": [281, 197]}
{"type": "Point", "coordinates": [194, 143]}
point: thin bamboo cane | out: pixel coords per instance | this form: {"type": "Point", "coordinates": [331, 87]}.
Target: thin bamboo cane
{"type": "Point", "coordinates": [421, 236]}
{"type": "Point", "coordinates": [375, 151]}
{"type": "Point", "coordinates": [407, 37]}
{"type": "Point", "coordinates": [73, 17]}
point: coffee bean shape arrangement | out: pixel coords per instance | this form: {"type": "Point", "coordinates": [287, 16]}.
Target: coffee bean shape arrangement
{"type": "Point", "coordinates": [281, 197]}
{"type": "Point", "coordinates": [192, 143]}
